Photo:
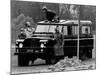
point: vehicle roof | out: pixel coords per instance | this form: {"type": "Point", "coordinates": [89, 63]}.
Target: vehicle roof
{"type": "Point", "coordinates": [66, 22]}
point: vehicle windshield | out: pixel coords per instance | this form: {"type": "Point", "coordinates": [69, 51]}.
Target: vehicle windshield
{"type": "Point", "coordinates": [45, 29]}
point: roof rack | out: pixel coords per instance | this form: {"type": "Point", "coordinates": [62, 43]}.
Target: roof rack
{"type": "Point", "coordinates": [66, 22]}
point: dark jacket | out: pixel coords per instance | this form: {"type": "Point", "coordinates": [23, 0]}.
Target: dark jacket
{"type": "Point", "coordinates": [50, 15]}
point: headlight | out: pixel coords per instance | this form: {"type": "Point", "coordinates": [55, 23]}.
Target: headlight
{"type": "Point", "coordinates": [42, 45]}
{"type": "Point", "coordinates": [20, 45]}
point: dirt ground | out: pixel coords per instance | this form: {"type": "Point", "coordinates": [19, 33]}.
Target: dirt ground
{"type": "Point", "coordinates": [73, 64]}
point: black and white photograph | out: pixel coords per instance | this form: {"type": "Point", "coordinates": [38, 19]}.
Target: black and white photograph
{"type": "Point", "coordinates": [52, 37]}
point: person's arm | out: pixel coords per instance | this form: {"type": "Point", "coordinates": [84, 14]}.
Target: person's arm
{"type": "Point", "coordinates": [33, 30]}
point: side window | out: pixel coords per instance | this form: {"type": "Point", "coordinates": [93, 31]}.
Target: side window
{"type": "Point", "coordinates": [69, 30]}
{"type": "Point", "coordinates": [85, 30]}
{"type": "Point", "coordinates": [65, 30]}
{"type": "Point", "coordinates": [75, 30]}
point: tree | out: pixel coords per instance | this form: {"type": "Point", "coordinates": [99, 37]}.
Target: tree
{"type": "Point", "coordinates": [19, 22]}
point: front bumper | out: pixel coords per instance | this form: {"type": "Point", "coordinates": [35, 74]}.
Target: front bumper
{"type": "Point", "coordinates": [22, 51]}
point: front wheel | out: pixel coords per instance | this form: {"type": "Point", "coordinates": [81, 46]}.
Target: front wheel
{"type": "Point", "coordinates": [48, 61]}
{"type": "Point", "coordinates": [51, 61]}
{"type": "Point", "coordinates": [23, 60]}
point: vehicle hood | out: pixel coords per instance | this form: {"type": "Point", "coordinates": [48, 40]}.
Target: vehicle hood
{"type": "Point", "coordinates": [43, 38]}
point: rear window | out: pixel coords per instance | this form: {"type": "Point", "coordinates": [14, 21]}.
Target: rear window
{"type": "Point", "coordinates": [85, 30]}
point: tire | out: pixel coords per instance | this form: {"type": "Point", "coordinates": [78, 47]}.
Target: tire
{"type": "Point", "coordinates": [90, 53]}
{"type": "Point", "coordinates": [33, 59]}
{"type": "Point", "coordinates": [23, 60]}
{"type": "Point", "coordinates": [48, 61]}
{"type": "Point", "coordinates": [53, 61]}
